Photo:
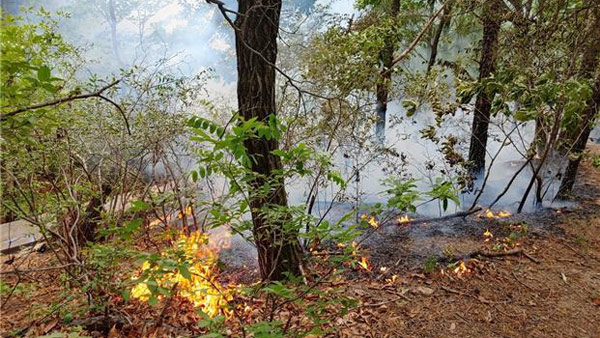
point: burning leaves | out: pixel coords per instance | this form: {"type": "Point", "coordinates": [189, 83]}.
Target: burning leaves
{"type": "Point", "coordinates": [191, 274]}
{"type": "Point", "coordinates": [364, 264]}
{"type": "Point", "coordinates": [370, 220]}
{"type": "Point", "coordinates": [490, 214]}
{"type": "Point", "coordinates": [404, 219]}
{"type": "Point", "coordinates": [461, 269]}
{"type": "Point", "coordinates": [487, 235]}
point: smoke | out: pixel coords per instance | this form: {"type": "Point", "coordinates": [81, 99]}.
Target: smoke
{"type": "Point", "coordinates": [193, 37]}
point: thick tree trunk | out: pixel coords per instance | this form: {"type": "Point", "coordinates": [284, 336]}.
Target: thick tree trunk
{"type": "Point", "coordinates": [256, 46]}
{"type": "Point", "coordinates": [483, 105]}
{"type": "Point", "coordinates": [383, 86]}
{"type": "Point", "coordinates": [444, 22]}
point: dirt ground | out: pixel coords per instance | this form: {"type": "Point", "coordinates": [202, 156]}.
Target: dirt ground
{"type": "Point", "coordinates": [549, 287]}
{"type": "Point", "coordinates": [554, 293]}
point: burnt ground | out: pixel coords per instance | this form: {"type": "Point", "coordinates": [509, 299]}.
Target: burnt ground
{"type": "Point", "coordinates": [553, 293]}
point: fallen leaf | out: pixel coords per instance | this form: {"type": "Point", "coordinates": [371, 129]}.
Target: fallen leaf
{"type": "Point", "coordinates": [452, 326]}
{"type": "Point", "coordinates": [424, 290]}
{"type": "Point", "coordinates": [113, 333]}
{"type": "Point", "coordinates": [50, 325]}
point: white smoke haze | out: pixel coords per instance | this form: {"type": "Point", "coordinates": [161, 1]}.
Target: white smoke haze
{"type": "Point", "coordinates": [193, 37]}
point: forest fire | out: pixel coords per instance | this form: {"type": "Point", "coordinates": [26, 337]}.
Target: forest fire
{"type": "Point", "coordinates": [487, 235]}
{"type": "Point", "coordinates": [371, 220]}
{"type": "Point", "coordinates": [364, 264]}
{"type": "Point", "coordinates": [194, 277]}
{"type": "Point", "coordinates": [461, 269]}
{"type": "Point", "coordinates": [404, 219]}
{"type": "Point", "coordinates": [490, 214]}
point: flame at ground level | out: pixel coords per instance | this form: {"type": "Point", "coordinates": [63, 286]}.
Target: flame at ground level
{"type": "Point", "coordinates": [364, 264]}
{"type": "Point", "coordinates": [461, 269]}
{"type": "Point", "coordinates": [490, 214]}
{"type": "Point", "coordinates": [193, 277]}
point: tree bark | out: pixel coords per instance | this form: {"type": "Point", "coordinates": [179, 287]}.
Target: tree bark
{"type": "Point", "coordinates": [483, 105]}
{"type": "Point", "coordinates": [386, 58]}
{"type": "Point", "coordinates": [444, 22]}
{"type": "Point", "coordinates": [589, 64]}
{"type": "Point", "coordinates": [257, 28]}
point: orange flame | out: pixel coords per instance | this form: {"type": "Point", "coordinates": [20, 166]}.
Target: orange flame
{"type": "Point", "coordinates": [364, 264]}
{"type": "Point", "coordinates": [487, 235]}
{"type": "Point", "coordinates": [404, 219]}
{"type": "Point", "coordinates": [372, 221]}
{"type": "Point", "coordinates": [461, 269]}
{"type": "Point", "coordinates": [188, 211]}
{"type": "Point", "coordinates": [490, 214]}
{"type": "Point", "coordinates": [197, 282]}
{"type": "Point", "coordinates": [392, 279]}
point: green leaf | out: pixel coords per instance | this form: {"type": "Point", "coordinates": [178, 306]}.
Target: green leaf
{"type": "Point", "coordinates": [126, 295]}
{"type": "Point", "coordinates": [185, 272]}
{"type": "Point", "coordinates": [139, 206]}
{"type": "Point", "coordinates": [43, 73]}
{"type": "Point", "coordinates": [410, 106]}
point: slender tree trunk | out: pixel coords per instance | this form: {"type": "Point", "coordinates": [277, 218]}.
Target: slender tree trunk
{"type": "Point", "coordinates": [383, 86]}
{"type": "Point", "coordinates": [112, 21]}
{"type": "Point", "coordinates": [483, 105]}
{"type": "Point", "coordinates": [444, 22]}
{"type": "Point", "coordinates": [578, 139]}
{"type": "Point", "coordinates": [93, 216]}
{"type": "Point", "coordinates": [256, 45]}
{"type": "Point", "coordinates": [541, 136]}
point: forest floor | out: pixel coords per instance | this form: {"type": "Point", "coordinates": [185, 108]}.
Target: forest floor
{"type": "Point", "coordinates": [442, 279]}
{"type": "Point", "coordinates": [553, 293]}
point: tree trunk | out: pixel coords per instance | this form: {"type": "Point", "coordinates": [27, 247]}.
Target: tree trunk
{"type": "Point", "coordinates": [578, 139]}
{"type": "Point", "coordinates": [112, 21]}
{"type": "Point", "coordinates": [88, 230]}
{"type": "Point", "coordinates": [256, 45]}
{"type": "Point", "coordinates": [483, 105]}
{"type": "Point", "coordinates": [383, 86]}
{"type": "Point", "coordinates": [444, 22]}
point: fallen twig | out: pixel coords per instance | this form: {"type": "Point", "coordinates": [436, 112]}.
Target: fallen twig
{"type": "Point", "coordinates": [502, 254]}
{"type": "Point", "coordinates": [521, 282]}
{"type": "Point", "coordinates": [17, 271]}
{"type": "Point", "coordinates": [384, 302]}
{"type": "Point", "coordinates": [458, 214]}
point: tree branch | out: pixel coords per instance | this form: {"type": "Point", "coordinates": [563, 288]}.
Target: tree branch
{"type": "Point", "coordinates": [414, 43]}
{"type": "Point", "coordinates": [59, 101]}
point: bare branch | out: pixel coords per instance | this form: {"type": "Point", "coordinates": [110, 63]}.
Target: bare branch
{"type": "Point", "coordinates": [414, 43]}
{"type": "Point", "coordinates": [59, 101]}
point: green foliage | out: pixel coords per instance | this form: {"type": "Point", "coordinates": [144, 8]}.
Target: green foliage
{"type": "Point", "coordinates": [221, 152]}
{"type": "Point", "coordinates": [444, 191]}
{"type": "Point", "coordinates": [404, 194]}
{"type": "Point", "coordinates": [596, 161]}
{"type": "Point", "coordinates": [430, 264]}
